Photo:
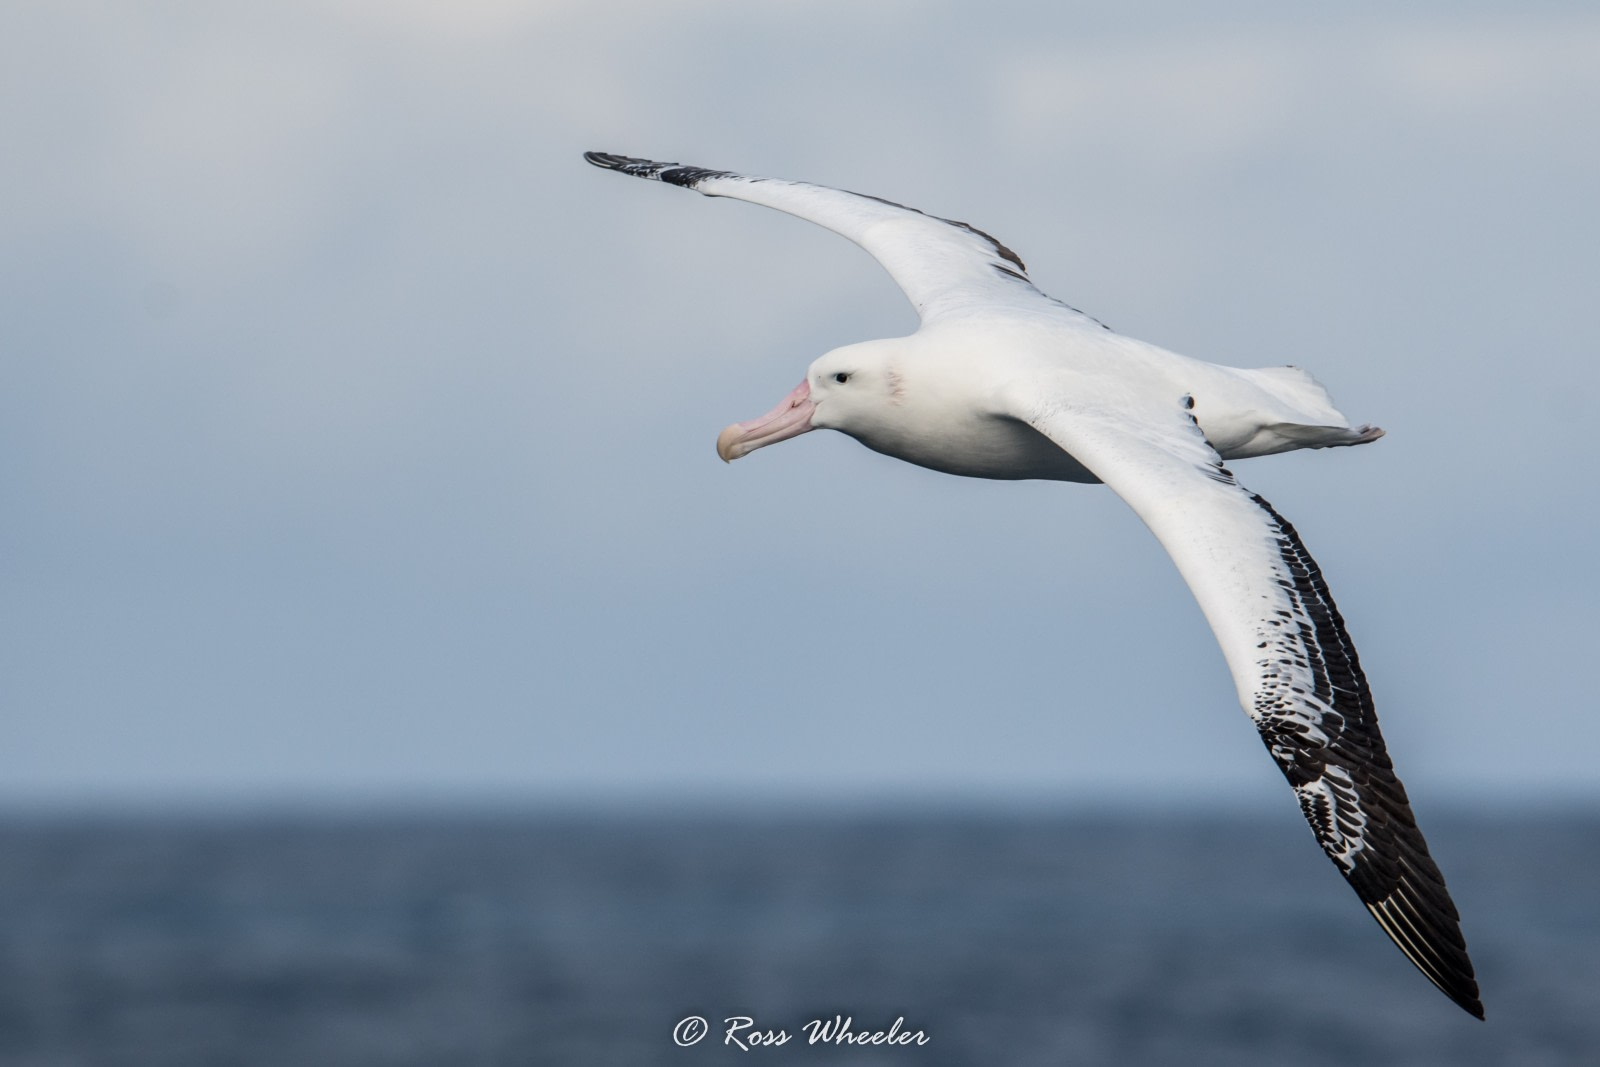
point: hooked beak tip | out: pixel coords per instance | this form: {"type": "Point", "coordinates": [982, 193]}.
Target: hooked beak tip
{"type": "Point", "coordinates": [727, 444]}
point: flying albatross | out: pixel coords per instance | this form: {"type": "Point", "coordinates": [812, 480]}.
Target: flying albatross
{"type": "Point", "coordinates": [1002, 381]}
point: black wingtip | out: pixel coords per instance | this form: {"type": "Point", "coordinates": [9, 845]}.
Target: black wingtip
{"type": "Point", "coordinates": [1429, 935]}
{"type": "Point", "coordinates": [1468, 1003]}
{"type": "Point", "coordinates": [610, 160]}
{"type": "Point", "coordinates": [671, 173]}
{"type": "Point", "coordinates": [639, 168]}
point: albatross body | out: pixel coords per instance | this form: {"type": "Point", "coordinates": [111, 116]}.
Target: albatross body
{"type": "Point", "coordinates": [1002, 381]}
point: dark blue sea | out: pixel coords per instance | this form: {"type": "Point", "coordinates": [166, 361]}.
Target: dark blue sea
{"type": "Point", "coordinates": [576, 939]}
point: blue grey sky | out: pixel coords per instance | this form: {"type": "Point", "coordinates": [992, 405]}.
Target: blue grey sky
{"type": "Point", "coordinates": [356, 439]}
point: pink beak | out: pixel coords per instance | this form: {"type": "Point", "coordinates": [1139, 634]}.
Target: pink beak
{"type": "Point", "coordinates": [789, 419]}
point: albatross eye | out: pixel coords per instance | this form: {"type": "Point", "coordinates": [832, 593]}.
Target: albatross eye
{"type": "Point", "coordinates": [841, 377]}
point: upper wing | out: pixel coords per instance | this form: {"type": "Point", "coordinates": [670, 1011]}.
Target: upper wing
{"type": "Point", "coordinates": [944, 267]}
{"type": "Point", "coordinates": [1296, 671]}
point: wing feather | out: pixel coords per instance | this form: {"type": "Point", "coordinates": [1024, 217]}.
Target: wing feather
{"type": "Point", "coordinates": [1295, 668]}
{"type": "Point", "coordinates": [944, 267]}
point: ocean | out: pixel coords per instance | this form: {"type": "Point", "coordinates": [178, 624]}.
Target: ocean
{"type": "Point", "coordinates": [974, 937]}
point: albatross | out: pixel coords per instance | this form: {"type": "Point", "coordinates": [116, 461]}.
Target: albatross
{"type": "Point", "coordinates": [1002, 381]}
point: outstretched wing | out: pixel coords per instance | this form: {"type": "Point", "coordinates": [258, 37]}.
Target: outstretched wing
{"type": "Point", "coordinates": [943, 267]}
{"type": "Point", "coordinates": [1296, 671]}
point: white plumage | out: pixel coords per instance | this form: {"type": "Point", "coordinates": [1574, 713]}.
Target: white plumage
{"type": "Point", "coordinates": [1002, 381]}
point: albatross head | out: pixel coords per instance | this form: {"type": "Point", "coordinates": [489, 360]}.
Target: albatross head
{"type": "Point", "coordinates": [850, 389]}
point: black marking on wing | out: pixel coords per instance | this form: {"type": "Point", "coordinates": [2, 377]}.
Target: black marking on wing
{"type": "Point", "coordinates": [671, 173]}
{"type": "Point", "coordinates": [1000, 250]}
{"type": "Point", "coordinates": [1021, 273]}
{"type": "Point", "coordinates": [1213, 468]}
{"type": "Point", "coordinates": [1328, 746]}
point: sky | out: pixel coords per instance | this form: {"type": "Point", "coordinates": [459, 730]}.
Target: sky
{"type": "Point", "coordinates": [356, 438]}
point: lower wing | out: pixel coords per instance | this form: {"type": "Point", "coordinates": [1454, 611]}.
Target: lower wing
{"type": "Point", "coordinates": [1295, 668]}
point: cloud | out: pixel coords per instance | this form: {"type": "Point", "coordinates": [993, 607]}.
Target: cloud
{"type": "Point", "coordinates": [1195, 102]}
{"type": "Point", "coordinates": [1477, 72]}
{"type": "Point", "coordinates": [1200, 99]}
